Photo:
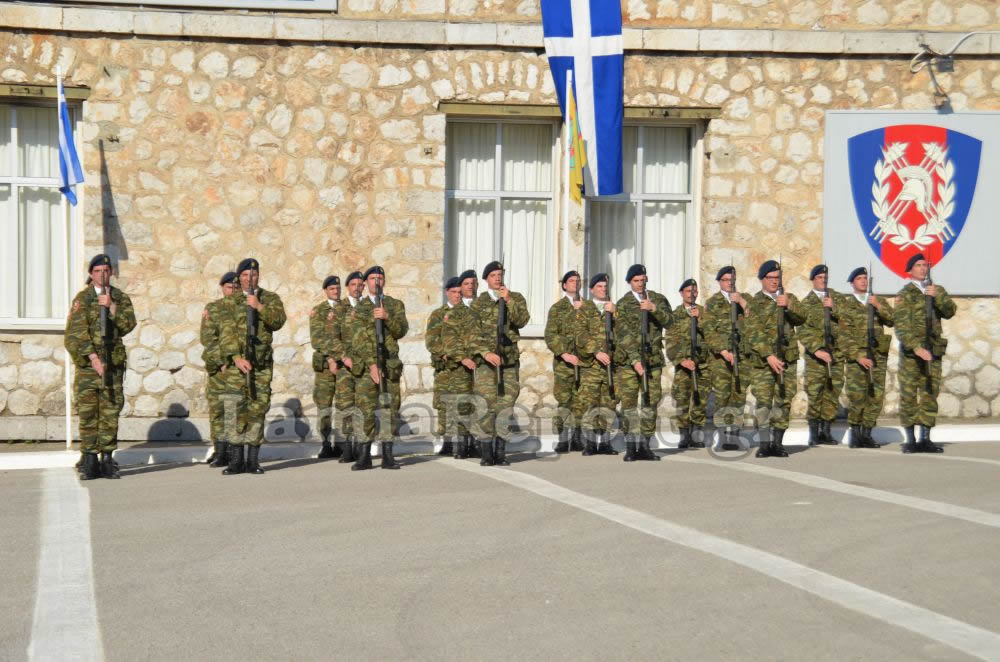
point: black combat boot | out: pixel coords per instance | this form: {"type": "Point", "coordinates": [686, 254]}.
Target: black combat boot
{"type": "Point", "coordinates": [576, 441]}
{"type": "Point", "coordinates": [685, 441]}
{"type": "Point", "coordinates": [90, 467]}
{"type": "Point", "coordinates": [815, 436]}
{"type": "Point", "coordinates": [253, 460]}
{"type": "Point", "coordinates": [326, 452]}
{"type": "Point", "coordinates": [220, 457]}
{"type": "Point", "coordinates": [777, 448]}
{"type": "Point", "coordinates": [856, 437]}
{"type": "Point", "coordinates": [79, 463]}
{"type": "Point", "coordinates": [447, 448]}
{"type": "Point", "coordinates": [867, 441]}
{"type": "Point", "coordinates": [473, 446]}
{"type": "Point", "coordinates": [697, 442]}
{"type": "Point", "coordinates": [461, 448]}
{"type": "Point", "coordinates": [236, 465]}
{"type": "Point", "coordinates": [731, 439]}
{"type": "Point", "coordinates": [645, 452]}
{"type": "Point", "coordinates": [486, 453]}
{"type": "Point", "coordinates": [109, 468]}
{"type": "Point", "coordinates": [388, 461]}
{"type": "Point", "coordinates": [364, 457]}
{"type": "Point", "coordinates": [910, 445]}
{"type": "Point", "coordinates": [590, 444]}
{"type": "Point", "coordinates": [500, 453]}
{"type": "Point", "coordinates": [824, 431]}
{"type": "Point", "coordinates": [604, 446]}
{"type": "Point", "coordinates": [630, 450]}
{"type": "Point", "coordinates": [925, 445]}
{"type": "Point", "coordinates": [348, 455]}
{"type": "Point", "coordinates": [764, 446]}
{"type": "Point", "coordinates": [562, 445]}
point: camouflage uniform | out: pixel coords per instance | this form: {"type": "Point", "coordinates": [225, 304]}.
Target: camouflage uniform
{"type": "Point", "coordinates": [323, 325]}
{"type": "Point", "coordinates": [917, 403]}
{"type": "Point", "coordinates": [773, 401]}
{"type": "Point", "coordinates": [347, 415]}
{"type": "Point", "coordinates": [628, 352]}
{"type": "Point", "coordinates": [451, 337]}
{"type": "Point", "coordinates": [863, 406]}
{"type": "Point", "coordinates": [215, 388]}
{"type": "Point", "coordinates": [690, 405]}
{"type": "Point", "coordinates": [97, 405]}
{"type": "Point", "coordinates": [823, 391]}
{"type": "Point", "coordinates": [486, 311]}
{"type": "Point", "coordinates": [593, 406]}
{"type": "Point", "coordinates": [560, 340]}
{"type": "Point", "coordinates": [730, 398]}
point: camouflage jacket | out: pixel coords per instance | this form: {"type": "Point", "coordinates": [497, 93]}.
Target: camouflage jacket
{"type": "Point", "coordinates": [486, 311]}
{"type": "Point", "coordinates": [762, 328]}
{"type": "Point", "coordinates": [586, 327]}
{"type": "Point", "coordinates": [83, 327]}
{"type": "Point", "coordinates": [233, 335]}
{"type": "Point", "coordinates": [324, 334]}
{"type": "Point", "coordinates": [811, 333]}
{"type": "Point", "coordinates": [855, 315]}
{"type": "Point", "coordinates": [432, 336]}
{"type": "Point", "coordinates": [559, 335]}
{"type": "Point", "coordinates": [679, 337]}
{"type": "Point", "coordinates": [910, 319]}
{"type": "Point", "coordinates": [342, 315]}
{"type": "Point", "coordinates": [454, 337]}
{"type": "Point", "coordinates": [211, 327]}
{"type": "Point", "coordinates": [628, 335]}
{"type": "Point", "coordinates": [718, 324]}
{"type": "Point", "coordinates": [359, 335]}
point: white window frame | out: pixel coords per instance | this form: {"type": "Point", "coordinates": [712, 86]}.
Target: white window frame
{"type": "Point", "coordinates": [277, 5]}
{"type": "Point", "coordinates": [16, 181]}
{"type": "Point", "coordinates": [534, 328]}
{"type": "Point", "coordinates": [692, 255]}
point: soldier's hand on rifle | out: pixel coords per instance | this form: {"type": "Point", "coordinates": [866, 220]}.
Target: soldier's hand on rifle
{"type": "Point", "coordinates": [242, 365]}
{"type": "Point", "coordinates": [504, 293]}
{"type": "Point", "coordinates": [646, 304]}
{"type": "Point", "coordinates": [374, 374]}
{"type": "Point", "coordinates": [688, 365]}
{"type": "Point", "coordinates": [104, 300]}
{"type": "Point", "coordinates": [930, 290]}
{"type": "Point", "coordinates": [331, 364]}
{"type": "Point", "coordinates": [571, 359]}
{"type": "Point", "coordinates": [693, 311]}
{"type": "Point", "coordinates": [577, 304]}
{"type": "Point", "coordinates": [866, 363]}
{"type": "Point", "coordinates": [381, 313]}
{"type": "Point", "coordinates": [347, 362]}
{"type": "Point", "coordinates": [727, 355]}
{"type": "Point", "coordinates": [782, 300]}
{"type": "Point", "coordinates": [602, 358]}
{"type": "Point", "coordinates": [254, 302]}
{"type": "Point", "coordinates": [609, 307]}
{"type": "Point", "coordinates": [469, 363]}
{"type": "Point", "coordinates": [222, 370]}
{"type": "Point", "coordinates": [492, 358]}
{"type": "Point", "coordinates": [735, 296]}
{"type": "Point", "coordinates": [923, 354]}
{"type": "Point", "coordinates": [95, 363]}
{"type": "Point", "coordinates": [777, 365]}
{"type": "Point", "coordinates": [637, 366]}
{"type": "Point", "coordinates": [875, 303]}
{"type": "Point", "coordinates": [828, 302]}
{"type": "Point", "coordinates": [823, 356]}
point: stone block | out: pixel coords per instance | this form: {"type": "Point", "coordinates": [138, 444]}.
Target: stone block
{"type": "Point", "coordinates": [881, 42]}
{"type": "Point", "coordinates": [807, 41]}
{"type": "Point", "coordinates": [32, 17]}
{"type": "Point", "coordinates": [519, 34]}
{"type": "Point", "coordinates": [298, 29]}
{"type": "Point", "coordinates": [471, 34]}
{"type": "Point", "coordinates": [228, 25]}
{"type": "Point", "coordinates": [23, 427]}
{"type": "Point", "coordinates": [670, 39]}
{"type": "Point", "coordinates": [97, 20]}
{"type": "Point", "coordinates": [411, 32]}
{"type": "Point", "coordinates": [632, 38]}
{"type": "Point", "coordinates": [349, 30]}
{"type": "Point", "coordinates": [944, 41]}
{"type": "Point", "coordinates": [735, 40]}
{"type": "Point", "coordinates": [158, 23]}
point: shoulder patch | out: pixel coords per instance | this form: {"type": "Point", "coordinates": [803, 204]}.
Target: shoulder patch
{"type": "Point", "coordinates": [204, 314]}
{"type": "Point", "coordinates": [329, 315]}
{"type": "Point", "coordinates": [312, 313]}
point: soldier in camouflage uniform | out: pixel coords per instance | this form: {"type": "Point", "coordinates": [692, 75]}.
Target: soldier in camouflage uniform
{"type": "Point", "coordinates": [254, 363]}
{"type": "Point", "coordinates": [690, 366]}
{"type": "Point", "coordinates": [640, 426]}
{"type": "Point", "coordinates": [593, 404]}
{"type": "Point", "coordinates": [215, 387]}
{"type": "Point", "coordinates": [326, 361]}
{"type": "Point", "coordinates": [470, 290]}
{"type": "Point", "coordinates": [492, 445]}
{"type": "Point", "coordinates": [865, 376]}
{"type": "Point", "coordinates": [361, 355]}
{"type": "Point", "coordinates": [922, 346]}
{"type": "Point", "coordinates": [824, 365]}
{"type": "Point", "coordinates": [451, 340]}
{"type": "Point", "coordinates": [565, 362]}
{"type": "Point", "coordinates": [349, 418]}
{"type": "Point", "coordinates": [729, 387]}
{"type": "Point", "coordinates": [98, 403]}
{"type": "Point", "coordinates": [773, 383]}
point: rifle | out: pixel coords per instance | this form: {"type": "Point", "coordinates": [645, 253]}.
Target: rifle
{"type": "Point", "coordinates": [872, 342]}
{"type": "Point", "coordinates": [576, 367]}
{"type": "Point", "coordinates": [929, 315]}
{"type": "Point", "coordinates": [252, 348]}
{"type": "Point", "coordinates": [694, 352]}
{"type": "Point", "coordinates": [107, 344]}
{"type": "Point", "coordinates": [380, 351]}
{"type": "Point", "coordinates": [501, 336]}
{"type": "Point", "coordinates": [781, 342]}
{"type": "Point", "coordinates": [609, 348]}
{"type": "Point", "coordinates": [828, 335]}
{"type": "Point", "coordinates": [644, 351]}
{"type": "Point", "coordinates": [734, 336]}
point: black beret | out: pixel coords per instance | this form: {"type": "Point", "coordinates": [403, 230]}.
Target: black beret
{"type": "Point", "coordinates": [599, 278]}
{"type": "Point", "coordinates": [766, 268]}
{"type": "Point", "coordinates": [453, 282]}
{"type": "Point", "coordinates": [247, 264]}
{"type": "Point", "coordinates": [351, 276]}
{"type": "Point", "coordinates": [817, 270]}
{"type": "Point", "coordinates": [330, 280]}
{"type": "Point", "coordinates": [909, 263]}
{"type": "Point", "coordinates": [468, 273]}
{"type": "Point", "coordinates": [569, 274]}
{"type": "Point", "coordinates": [688, 283]}
{"type": "Point", "coordinates": [725, 270]}
{"type": "Point", "coordinates": [491, 267]}
{"type": "Point", "coordinates": [227, 277]}
{"type": "Point", "coordinates": [860, 271]}
{"type": "Point", "coordinates": [99, 260]}
{"type": "Point", "coordinates": [633, 271]}
{"type": "Point", "coordinates": [374, 270]}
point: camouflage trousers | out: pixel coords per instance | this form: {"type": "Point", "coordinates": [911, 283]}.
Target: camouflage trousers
{"type": "Point", "coordinates": [565, 392]}
{"type": "Point", "coordinates": [98, 414]}
{"type": "Point", "coordinates": [630, 385]}
{"type": "Point", "coordinates": [452, 400]}
{"type": "Point", "coordinates": [378, 422]}
{"type": "Point", "coordinates": [691, 407]}
{"type": "Point", "coordinates": [255, 410]}
{"type": "Point", "coordinates": [863, 408]}
{"type": "Point", "coordinates": [496, 419]}
{"type": "Point", "coordinates": [344, 397]}
{"type": "Point", "coordinates": [774, 402]}
{"type": "Point", "coordinates": [324, 390]}
{"type": "Point", "coordinates": [215, 387]}
{"type": "Point", "coordinates": [823, 392]}
{"type": "Point", "coordinates": [917, 405]}
{"type": "Point", "coordinates": [593, 407]}
{"type": "Point", "coordinates": [730, 402]}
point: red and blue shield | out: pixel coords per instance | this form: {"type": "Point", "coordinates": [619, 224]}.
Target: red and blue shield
{"type": "Point", "coordinates": [913, 187]}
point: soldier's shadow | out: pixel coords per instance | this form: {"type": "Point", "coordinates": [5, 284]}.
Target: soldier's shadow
{"type": "Point", "coordinates": [290, 426]}
{"type": "Point", "coordinates": [175, 427]}
{"type": "Point", "coordinates": [136, 470]}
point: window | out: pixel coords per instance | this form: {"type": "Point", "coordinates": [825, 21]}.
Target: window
{"type": "Point", "coordinates": [283, 5]}
{"type": "Point", "coordinates": [652, 222]}
{"type": "Point", "coordinates": [36, 233]}
{"type": "Point", "coordinates": [500, 190]}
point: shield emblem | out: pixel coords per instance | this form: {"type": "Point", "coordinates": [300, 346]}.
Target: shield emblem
{"type": "Point", "coordinates": [913, 186]}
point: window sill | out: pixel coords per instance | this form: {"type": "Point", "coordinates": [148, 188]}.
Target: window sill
{"type": "Point", "coordinates": [32, 325]}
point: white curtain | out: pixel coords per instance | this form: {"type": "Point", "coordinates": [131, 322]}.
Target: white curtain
{"type": "Point", "coordinates": [471, 156]}
{"type": "Point", "coordinates": [665, 154]}
{"type": "Point", "coordinates": [8, 255]}
{"type": "Point", "coordinates": [630, 162]}
{"type": "Point", "coordinates": [527, 157]}
{"type": "Point", "coordinates": [6, 150]}
{"type": "Point", "coordinates": [663, 244]}
{"type": "Point", "coordinates": [469, 235]}
{"type": "Point", "coordinates": [612, 243]}
{"type": "Point", "coordinates": [524, 252]}
{"type": "Point", "coordinates": [37, 142]}
{"type": "Point", "coordinates": [43, 239]}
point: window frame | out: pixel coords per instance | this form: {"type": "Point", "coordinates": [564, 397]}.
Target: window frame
{"type": "Point", "coordinates": [534, 328]}
{"type": "Point", "coordinates": [15, 182]}
{"type": "Point", "coordinates": [275, 5]}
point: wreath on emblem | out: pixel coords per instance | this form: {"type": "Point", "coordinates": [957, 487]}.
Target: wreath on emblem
{"type": "Point", "coordinates": [918, 189]}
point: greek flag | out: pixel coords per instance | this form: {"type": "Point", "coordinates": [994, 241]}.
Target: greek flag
{"type": "Point", "coordinates": [69, 164]}
{"type": "Point", "coordinates": [586, 36]}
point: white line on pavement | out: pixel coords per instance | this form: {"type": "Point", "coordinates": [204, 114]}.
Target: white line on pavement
{"type": "Point", "coordinates": [918, 456]}
{"type": "Point", "coordinates": [961, 636]}
{"type": "Point", "coordinates": [65, 620]}
{"type": "Point", "coordinates": [820, 483]}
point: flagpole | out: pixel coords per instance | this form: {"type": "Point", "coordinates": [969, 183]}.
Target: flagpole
{"type": "Point", "coordinates": [67, 362]}
{"type": "Point", "coordinates": [568, 145]}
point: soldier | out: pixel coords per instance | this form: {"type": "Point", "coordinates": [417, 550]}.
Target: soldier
{"type": "Point", "coordinates": [637, 361]}
{"type": "Point", "coordinates": [215, 387]}
{"type": "Point", "coordinates": [497, 365]}
{"type": "Point", "coordinates": [561, 341]}
{"type": "Point", "coordinates": [98, 319]}
{"type": "Point", "coordinates": [362, 350]}
{"type": "Point", "coordinates": [920, 307]}
{"type": "Point", "coordinates": [248, 346]}
{"type": "Point", "coordinates": [594, 405]}
{"type": "Point", "coordinates": [470, 289]}
{"type": "Point", "coordinates": [866, 365]}
{"type": "Point", "coordinates": [691, 386]}
{"type": "Point", "coordinates": [326, 361]}
{"type": "Point", "coordinates": [346, 419]}
{"type": "Point", "coordinates": [729, 381]}
{"type": "Point", "coordinates": [773, 383]}
{"type": "Point", "coordinates": [451, 341]}
{"type": "Point", "coordinates": [825, 354]}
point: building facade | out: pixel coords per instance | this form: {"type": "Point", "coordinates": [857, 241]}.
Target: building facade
{"type": "Point", "coordinates": [424, 135]}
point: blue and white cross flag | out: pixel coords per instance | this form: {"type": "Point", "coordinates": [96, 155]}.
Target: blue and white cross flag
{"type": "Point", "coordinates": [586, 36]}
{"type": "Point", "coordinates": [69, 163]}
